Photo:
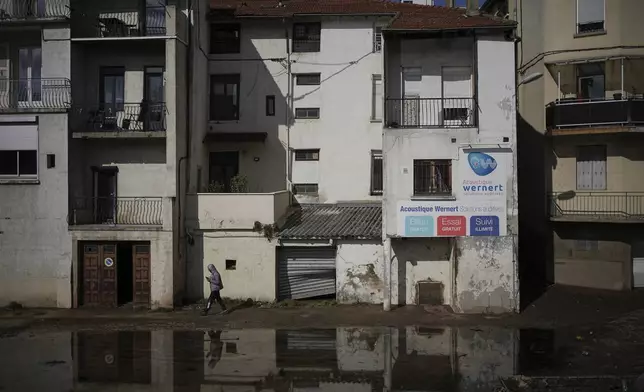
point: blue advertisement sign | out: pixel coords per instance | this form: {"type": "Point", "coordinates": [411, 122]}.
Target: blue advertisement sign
{"type": "Point", "coordinates": [484, 225]}
{"type": "Point", "coordinates": [419, 226]}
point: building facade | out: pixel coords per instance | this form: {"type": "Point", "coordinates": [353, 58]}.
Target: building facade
{"type": "Point", "coordinates": [92, 131]}
{"type": "Point", "coordinates": [580, 146]}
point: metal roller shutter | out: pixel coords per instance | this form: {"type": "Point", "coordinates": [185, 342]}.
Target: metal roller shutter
{"type": "Point", "coordinates": [638, 264]}
{"type": "Point", "coordinates": [306, 272]}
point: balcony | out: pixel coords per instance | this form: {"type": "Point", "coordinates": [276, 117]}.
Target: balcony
{"type": "Point", "coordinates": [597, 206]}
{"type": "Point", "coordinates": [574, 113]}
{"type": "Point", "coordinates": [35, 95]}
{"type": "Point", "coordinates": [113, 211]}
{"type": "Point", "coordinates": [33, 10]}
{"type": "Point", "coordinates": [430, 112]}
{"type": "Point", "coordinates": [92, 23]}
{"type": "Point", "coordinates": [219, 211]}
{"type": "Point", "coordinates": [120, 119]}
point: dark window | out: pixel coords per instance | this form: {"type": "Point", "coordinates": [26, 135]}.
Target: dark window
{"type": "Point", "coordinates": [19, 163]}
{"type": "Point", "coordinates": [307, 155]}
{"type": "Point", "coordinates": [224, 38]}
{"type": "Point", "coordinates": [432, 177]}
{"type": "Point", "coordinates": [307, 113]}
{"type": "Point", "coordinates": [270, 105]}
{"type": "Point", "coordinates": [591, 81]}
{"type": "Point", "coordinates": [377, 39]}
{"type": "Point", "coordinates": [231, 265]}
{"type": "Point", "coordinates": [376, 173]}
{"type": "Point", "coordinates": [224, 97]}
{"type": "Point", "coordinates": [231, 348]}
{"type": "Point", "coordinates": [307, 79]}
{"type": "Point", "coordinates": [456, 114]}
{"type": "Point", "coordinates": [51, 161]}
{"type": "Point", "coordinates": [305, 189]}
{"type": "Point", "coordinates": [306, 37]}
{"type": "Point", "coordinates": [112, 90]}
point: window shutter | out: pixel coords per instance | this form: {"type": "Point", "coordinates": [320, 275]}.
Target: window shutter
{"type": "Point", "coordinates": [19, 137]}
{"type": "Point", "coordinates": [599, 173]}
{"type": "Point", "coordinates": [590, 11]}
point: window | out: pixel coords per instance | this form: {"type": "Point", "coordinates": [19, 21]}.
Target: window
{"type": "Point", "coordinates": [376, 173]}
{"type": "Point", "coordinates": [377, 39]}
{"type": "Point", "coordinates": [376, 97]}
{"type": "Point", "coordinates": [231, 265]}
{"type": "Point", "coordinates": [590, 16]}
{"type": "Point", "coordinates": [112, 89]}
{"type": "Point", "coordinates": [224, 38]}
{"type": "Point", "coordinates": [22, 163]}
{"type": "Point", "coordinates": [432, 177]}
{"type": "Point", "coordinates": [591, 167]}
{"type": "Point", "coordinates": [307, 113]}
{"type": "Point", "coordinates": [305, 189]}
{"type": "Point", "coordinates": [270, 105]}
{"type": "Point", "coordinates": [306, 37]}
{"type": "Point", "coordinates": [312, 79]}
{"type": "Point", "coordinates": [590, 81]}
{"type": "Point", "coordinates": [224, 97]}
{"type": "Point", "coordinates": [307, 155]}
{"type": "Point", "coordinates": [29, 74]}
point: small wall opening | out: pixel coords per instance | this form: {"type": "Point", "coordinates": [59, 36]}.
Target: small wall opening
{"type": "Point", "coordinates": [125, 274]}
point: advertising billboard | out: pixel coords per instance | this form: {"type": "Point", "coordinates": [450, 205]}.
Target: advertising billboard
{"type": "Point", "coordinates": [477, 207]}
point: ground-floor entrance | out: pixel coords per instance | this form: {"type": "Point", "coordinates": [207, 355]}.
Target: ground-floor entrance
{"type": "Point", "coordinates": [306, 272]}
{"type": "Point", "coordinates": [114, 274]}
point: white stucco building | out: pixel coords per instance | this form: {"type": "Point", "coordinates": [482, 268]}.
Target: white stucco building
{"type": "Point", "coordinates": [92, 122]}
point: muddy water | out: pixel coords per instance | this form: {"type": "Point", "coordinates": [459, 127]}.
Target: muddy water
{"type": "Point", "coordinates": [340, 359]}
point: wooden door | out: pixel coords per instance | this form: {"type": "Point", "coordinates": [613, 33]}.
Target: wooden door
{"type": "Point", "coordinates": [141, 265]}
{"type": "Point", "coordinates": [98, 357]}
{"type": "Point", "coordinates": [91, 275]}
{"type": "Point", "coordinates": [108, 276]}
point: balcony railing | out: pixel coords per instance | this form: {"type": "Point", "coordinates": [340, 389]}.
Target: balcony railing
{"type": "Point", "coordinates": [134, 211]}
{"type": "Point", "coordinates": [35, 94]}
{"type": "Point", "coordinates": [589, 113]}
{"type": "Point", "coordinates": [430, 112]}
{"type": "Point", "coordinates": [120, 23]}
{"type": "Point", "coordinates": [597, 206]}
{"type": "Point", "coordinates": [21, 10]}
{"type": "Point", "coordinates": [145, 117]}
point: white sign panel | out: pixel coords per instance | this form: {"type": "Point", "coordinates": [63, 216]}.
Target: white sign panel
{"type": "Point", "coordinates": [479, 208]}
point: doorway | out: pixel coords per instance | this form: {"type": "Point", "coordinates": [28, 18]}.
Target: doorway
{"type": "Point", "coordinates": [105, 194]}
{"type": "Point", "coordinates": [29, 75]}
{"type": "Point", "coordinates": [111, 96]}
{"type": "Point", "coordinates": [152, 108]}
{"type": "Point", "coordinates": [114, 274]}
{"type": "Point", "coordinates": [224, 165]}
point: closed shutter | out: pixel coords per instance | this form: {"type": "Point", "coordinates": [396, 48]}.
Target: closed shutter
{"type": "Point", "coordinates": [638, 264]}
{"type": "Point", "coordinates": [18, 137]}
{"type": "Point", "coordinates": [591, 168]}
{"type": "Point", "coordinates": [306, 272]}
{"type": "Point", "coordinates": [590, 11]}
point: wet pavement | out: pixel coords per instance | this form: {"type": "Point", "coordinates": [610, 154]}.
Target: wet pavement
{"type": "Point", "coordinates": [307, 360]}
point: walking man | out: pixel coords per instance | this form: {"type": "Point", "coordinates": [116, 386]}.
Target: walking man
{"type": "Point", "coordinates": [216, 285]}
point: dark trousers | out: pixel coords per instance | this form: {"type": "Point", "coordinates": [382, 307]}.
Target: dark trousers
{"type": "Point", "coordinates": [215, 296]}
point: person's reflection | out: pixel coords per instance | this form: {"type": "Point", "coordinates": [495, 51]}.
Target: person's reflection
{"type": "Point", "coordinates": [216, 347]}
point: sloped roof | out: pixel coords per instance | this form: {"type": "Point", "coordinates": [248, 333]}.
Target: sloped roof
{"type": "Point", "coordinates": [404, 16]}
{"type": "Point", "coordinates": [334, 221]}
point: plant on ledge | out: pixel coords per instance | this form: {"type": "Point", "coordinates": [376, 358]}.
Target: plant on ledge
{"type": "Point", "coordinates": [239, 184]}
{"type": "Point", "coordinates": [269, 230]}
{"type": "Point", "coordinates": [216, 187]}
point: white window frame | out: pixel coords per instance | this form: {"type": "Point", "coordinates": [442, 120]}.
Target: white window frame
{"type": "Point", "coordinates": [577, 20]}
{"type": "Point", "coordinates": [377, 39]}
{"type": "Point", "coordinates": [376, 80]}
{"type": "Point", "coordinates": [19, 176]}
{"type": "Point", "coordinates": [376, 155]}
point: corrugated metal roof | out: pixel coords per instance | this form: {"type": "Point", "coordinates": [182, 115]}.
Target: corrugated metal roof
{"type": "Point", "coordinates": [334, 221]}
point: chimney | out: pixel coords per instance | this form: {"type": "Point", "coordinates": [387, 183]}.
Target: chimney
{"type": "Point", "coordinates": [472, 8]}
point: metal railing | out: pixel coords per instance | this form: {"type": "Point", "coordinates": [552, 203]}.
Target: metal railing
{"type": "Point", "coordinates": [135, 211]}
{"type": "Point", "coordinates": [618, 205]}
{"type": "Point", "coordinates": [117, 24]}
{"type": "Point", "coordinates": [584, 112]}
{"type": "Point", "coordinates": [20, 10]}
{"type": "Point", "coordinates": [147, 117]}
{"type": "Point", "coordinates": [430, 112]}
{"type": "Point", "coordinates": [35, 94]}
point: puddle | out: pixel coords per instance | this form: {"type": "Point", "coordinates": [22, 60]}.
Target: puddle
{"type": "Point", "coordinates": [341, 359]}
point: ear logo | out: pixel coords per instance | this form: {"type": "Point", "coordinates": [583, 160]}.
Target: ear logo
{"type": "Point", "coordinates": [481, 164]}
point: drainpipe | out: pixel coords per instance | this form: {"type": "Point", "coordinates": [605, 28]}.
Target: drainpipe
{"type": "Point", "coordinates": [289, 110]}
{"type": "Point", "coordinates": [449, 3]}
{"type": "Point", "coordinates": [386, 242]}
{"type": "Point", "coordinates": [472, 8]}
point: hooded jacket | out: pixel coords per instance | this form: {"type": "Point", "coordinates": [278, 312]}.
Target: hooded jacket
{"type": "Point", "coordinates": [215, 279]}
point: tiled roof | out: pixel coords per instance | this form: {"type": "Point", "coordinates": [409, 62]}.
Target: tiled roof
{"type": "Point", "coordinates": [334, 221]}
{"type": "Point", "coordinates": [405, 16]}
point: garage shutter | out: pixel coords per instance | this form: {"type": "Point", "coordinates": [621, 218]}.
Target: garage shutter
{"type": "Point", "coordinates": [306, 272]}
{"type": "Point", "coordinates": [638, 264]}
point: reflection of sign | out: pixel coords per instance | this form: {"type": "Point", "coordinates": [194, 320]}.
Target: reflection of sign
{"type": "Point", "coordinates": [479, 205]}
{"type": "Point", "coordinates": [109, 359]}
{"type": "Point", "coordinates": [109, 262]}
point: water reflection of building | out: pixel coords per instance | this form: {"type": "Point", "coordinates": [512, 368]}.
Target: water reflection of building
{"type": "Point", "coordinates": [342, 359]}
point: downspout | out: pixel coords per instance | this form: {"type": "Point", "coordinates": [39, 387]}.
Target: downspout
{"type": "Point", "coordinates": [386, 242]}
{"type": "Point", "coordinates": [289, 110]}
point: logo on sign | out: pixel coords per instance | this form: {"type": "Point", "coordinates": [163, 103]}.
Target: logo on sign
{"type": "Point", "coordinates": [481, 164]}
{"type": "Point", "coordinates": [451, 226]}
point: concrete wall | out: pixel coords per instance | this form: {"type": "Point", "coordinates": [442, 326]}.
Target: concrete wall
{"type": "Point", "coordinates": [359, 271]}
{"type": "Point", "coordinates": [35, 262]}
{"type": "Point", "coordinates": [477, 271]}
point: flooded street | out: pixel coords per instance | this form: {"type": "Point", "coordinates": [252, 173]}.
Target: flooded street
{"type": "Point", "coordinates": [339, 359]}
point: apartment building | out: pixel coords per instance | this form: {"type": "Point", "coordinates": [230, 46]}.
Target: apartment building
{"type": "Point", "coordinates": [92, 130]}
{"type": "Point", "coordinates": [580, 127]}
